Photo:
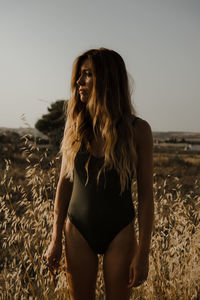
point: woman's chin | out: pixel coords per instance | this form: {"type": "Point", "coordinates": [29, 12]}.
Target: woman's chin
{"type": "Point", "coordinates": [83, 98]}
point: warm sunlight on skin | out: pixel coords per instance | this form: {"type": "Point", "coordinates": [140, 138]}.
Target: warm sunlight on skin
{"type": "Point", "coordinates": [84, 81]}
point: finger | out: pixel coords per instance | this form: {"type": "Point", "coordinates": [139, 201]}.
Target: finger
{"type": "Point", "coordinates": [56, 263]}
{"type": "Point", "coordinates": [52, 261]}
{"type": "Point", "coordinates": [54, 266]}
{"type": "Point", "coordinates": [131, 283]}
{"type": "Point", "coordinates": [130, 277]}
{"type": "Point", "coordinates": [134, 280]}
{"type": "Point", "coordinates": [130, 274]}
{"type": "Point", "coordinates": [56, 260]}
{"type": "Point", "coordinates": [138, 282]}
{"type": "Point", "coordinates": [51, 268]}
{"type": "Point", "coordinates": [48, 265]}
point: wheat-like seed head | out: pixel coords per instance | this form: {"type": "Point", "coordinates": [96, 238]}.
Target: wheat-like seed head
{"type": "Point", "coordinates": [26, 212]}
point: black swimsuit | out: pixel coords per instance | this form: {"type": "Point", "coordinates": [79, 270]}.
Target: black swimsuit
{"type": "Point", "coordinates": [97, 210]}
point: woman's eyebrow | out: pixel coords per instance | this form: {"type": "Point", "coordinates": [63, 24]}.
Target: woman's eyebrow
{"type": "Point", "coordinates": [85, 69]}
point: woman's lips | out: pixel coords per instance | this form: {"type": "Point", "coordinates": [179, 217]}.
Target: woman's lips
{"type": "Point", "coordinates": [82, 91]}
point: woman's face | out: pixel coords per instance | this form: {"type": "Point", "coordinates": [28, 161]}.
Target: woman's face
{"type": "Point", "coordinates": [84, 81]}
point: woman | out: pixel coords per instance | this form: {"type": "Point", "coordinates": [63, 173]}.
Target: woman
{"type": "Point", "coordinates": [104, 146]}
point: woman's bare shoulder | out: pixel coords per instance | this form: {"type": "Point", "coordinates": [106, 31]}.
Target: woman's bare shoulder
{"type": "Point", "coordinates": [141, 124]}
{"type": "Point", "coordinates": [143, 132]}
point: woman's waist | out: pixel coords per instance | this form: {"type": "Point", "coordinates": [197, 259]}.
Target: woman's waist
{"type": "Point", "coordinates": [95, 214]}
{"type": "Point", "coordinates": [99, 205]}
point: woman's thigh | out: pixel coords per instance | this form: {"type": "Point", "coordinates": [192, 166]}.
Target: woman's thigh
{"type": "Point", "coordinates": [116, 263]}
{"type": "Point", "coordinates": [81, 264]}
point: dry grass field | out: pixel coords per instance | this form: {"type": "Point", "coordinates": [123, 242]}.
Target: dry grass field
{"type": "Point", "coordinates": [28, 181]}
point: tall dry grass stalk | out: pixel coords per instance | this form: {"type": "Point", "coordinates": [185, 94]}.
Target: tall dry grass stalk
{"type": "Point", "coordinates": [26, 213]}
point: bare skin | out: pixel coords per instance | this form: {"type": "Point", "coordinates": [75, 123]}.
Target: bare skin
{"type": "Point", "coordinates": [85, 81]}
{"type": "Point", "coordinates": [63, 195]}
{"type": "Point", "coordinates": [139, 266]}
{"type": "Point", "coordinates": [126, 262]}
{"type": "Point", "coordinates": [82, 269]}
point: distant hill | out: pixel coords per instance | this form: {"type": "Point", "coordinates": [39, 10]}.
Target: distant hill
{"type": "Point", "coordinates": [189, 136]}
{"type": "Point", "coordinates": [22, 131]}
{"type": "Point", "coordinates": [160, 135]}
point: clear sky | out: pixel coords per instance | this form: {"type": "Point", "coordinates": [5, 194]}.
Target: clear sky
{"type": "Point", "coordinates": [158, 39]}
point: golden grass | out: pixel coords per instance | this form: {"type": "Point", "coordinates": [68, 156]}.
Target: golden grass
{"type": "Point", "coordinates": [26, 212]}
{"type": "Point", "coordinates": [160, 158]}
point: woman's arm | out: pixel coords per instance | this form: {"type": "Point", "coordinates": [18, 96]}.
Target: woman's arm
{"type": "Point", "coordinates": [144, 142]}
{"type": "Point", "coordinates": [139, 266]}
{"type": "Point", "coordinates": [62, 199]}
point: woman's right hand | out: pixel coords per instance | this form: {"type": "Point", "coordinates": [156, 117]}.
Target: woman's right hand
{"type": "Point", "coordinates": [53, 255]}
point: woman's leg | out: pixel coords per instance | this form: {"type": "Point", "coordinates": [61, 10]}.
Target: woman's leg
{"type": "Point", "coordinates": [116, 264]}
{"type": "Point", "coordinates": [81, 265]}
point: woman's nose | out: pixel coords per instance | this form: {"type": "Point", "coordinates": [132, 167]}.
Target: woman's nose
{"type": "Point", "coordinates": [80, 80]}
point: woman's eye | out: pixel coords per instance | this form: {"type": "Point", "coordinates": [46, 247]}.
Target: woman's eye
{"type": "Point", "coordinates": [85, 73]}
{"type": "Point", "coordinates": [89, 74]}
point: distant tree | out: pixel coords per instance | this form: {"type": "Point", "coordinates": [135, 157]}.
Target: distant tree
{"type": "Point", "coordinates": [52, 124]}
{"type": "Point", "coordinates": [183, 140]}
{"type": "Point", "coordinates": [171, 140]}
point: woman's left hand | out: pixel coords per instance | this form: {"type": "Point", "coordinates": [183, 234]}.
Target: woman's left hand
{"type": "Point", "coordinates": [138, 270]}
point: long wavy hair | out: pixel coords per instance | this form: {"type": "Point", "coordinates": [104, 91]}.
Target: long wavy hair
{"type": "Point", "coordinates": [108, 112]}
